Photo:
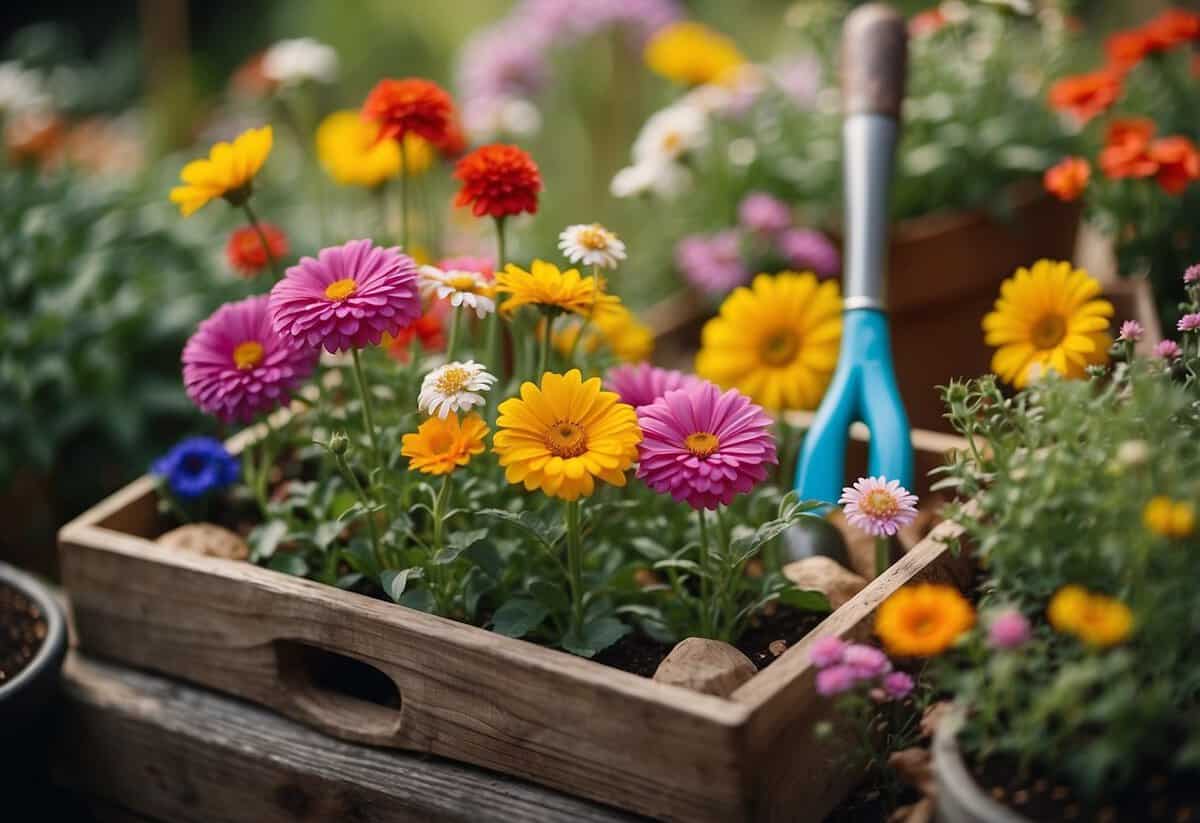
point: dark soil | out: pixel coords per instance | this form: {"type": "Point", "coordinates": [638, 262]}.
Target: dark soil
{"type": "Point", "coordinates": [639, 654]}
{"type": "Point", "coordinates": [23, 629]}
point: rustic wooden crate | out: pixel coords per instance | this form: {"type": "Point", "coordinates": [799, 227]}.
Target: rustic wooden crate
{"type": "Point", "coordinates": [466, 693]}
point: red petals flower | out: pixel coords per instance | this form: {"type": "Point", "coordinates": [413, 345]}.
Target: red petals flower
{"type": "Point", "coordinates": [429, 330]}
{"type": "Point", "coordinates": [1086, 95]}
{"type": "Point", "coordinates": [1177, 161]}
{"type": "Point", "coordinates": [499, 181]}
{"type": "Point", "coordinates": [1068, 179]}
{"type": "Point", "coordinates": [1127, 149]}
{"type": "Point", "coordinates": [410, 105]}
{"type": "Point", "coordinates": [245, 248]}
{"type": "Point", "coordinates": [1173, 27]}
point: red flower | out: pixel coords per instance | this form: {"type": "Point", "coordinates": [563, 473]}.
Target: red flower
{"type": "Point", "coordinates": [1126, 151]}
{"type": "Point", "coordinates": [1086, 95]}
{"type": "Point", "coordinates": [1172, 28]}
{"type": "Point", "coordinates": [926, 23]}
{"type": "Point", "coordinates": [1126, 49]}
{"type": "Point", "coordinates": [245, 248]}
{"type": "Point", "coordinates": [409, 105]}
{"type": "Point", "coordinates": [1122, 130]}
{"type": "Point", "coordinates": [1068, 179]}
{"type": "Point", "coordinates": [1178, 163]}
{"type": "Point", "coordinates": [454, 142]}
{"type": "Point", "coordinates": [429, 330]}
{"type": "Point", "coordinates": [498, 180]}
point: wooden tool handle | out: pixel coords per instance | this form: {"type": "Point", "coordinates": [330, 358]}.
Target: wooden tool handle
{"type": "Point", "coordinates": [874, 60]}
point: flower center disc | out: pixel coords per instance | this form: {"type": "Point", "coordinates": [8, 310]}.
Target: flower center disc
{"type": "Point", "coordinates": [701, 444]}
{"type": "Point", "coordinates": [453, 380]}
{"type": "Point", "coordinates": [462, 282]}
{"type": "Point", "coordinates": [779, 349]}
{"type": "Point", "coordinates": [672, 141]}
{"type": "Point", "coordinates": [341, 289]}
{"type": "Point", "coordinates": [593, 238]}
{"type": "Point", "coordinates": [566, 439]}
{"type": "Point", "coordinates": [921, 622]}
{"type": "Point", "coordinates": [247, 355]}
{"type": "Point", "coordinates": [441, 442]}
{"type": "Point", "coordinates": [1048, 331]}
{"type": "Point", "coordinates": [878, 503]}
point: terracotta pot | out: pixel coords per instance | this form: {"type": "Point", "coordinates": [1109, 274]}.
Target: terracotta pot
{"type": "Point", "coordinates": [959, 797]}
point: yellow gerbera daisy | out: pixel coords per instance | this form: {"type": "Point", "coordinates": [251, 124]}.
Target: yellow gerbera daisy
{"type": "Point", "coordinates": [548, 288]}
{"type": "Point", "coordinates": [1169, 518]}
{"type": "Point", "coordinates": [562, 436]}
{"type": "Point", "coordinates": [440, 446]}
{"type": "Point", "coordinates": [775, 341]}
{"type": "Point", "coordinates": [628, 338]}
{"type": "Point", "coordinates": [227, 172]}
{"type": "Point", "coordinates": [692, 53]}
{"type": "Point", "coordinates": [1096, 619]}
{"type": "Point", "coordinates": [1048, 317]}
{"type": "Point", "coordinates": [923, 620]}
{"type": "Point", "coordinates": [351, 153]}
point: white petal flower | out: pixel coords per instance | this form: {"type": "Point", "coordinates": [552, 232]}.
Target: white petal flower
{"type": "Point", "coordinates": [670, 134]}
{"type": "Point", "coordinates": [22, 89]}
{"type": "Point", "coordinates": [592, 245]}
{"type": "Point", "coordinates": [454, 387]}
{"type": "Point", "coordinates": [290, 62]}
{"type": "Point", "coordinates": [668, 180]}
{"type": "Point", "coordinates": [468, 289]}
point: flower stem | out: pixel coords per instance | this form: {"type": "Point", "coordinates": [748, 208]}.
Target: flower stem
{"type": "Point", "coordinates": [352, 479]}
{"type": "Point", "coordinates": [439, 515]}
{"type": "Point", "coordinates": [544, 353]}
{"type": "Point", "coordinates": [883, 553]}
{"type": "Point", "coordinates": [574, 564]}
{"type": "Point", "coordinates": [368, 416]}
{"type": "Point", "coordinates": [452, 345]}
{"type": "Point", "coordinates": [262, 238]}
{"type": "Point", "coordinates": [492, 331]}
{"type": "Point", "coordinates": [404, 196]}
{"type": "Point", "coordinates": [706, 628]}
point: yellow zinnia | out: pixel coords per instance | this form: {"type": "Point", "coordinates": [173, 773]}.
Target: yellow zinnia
{"type": "Point", "coordinates": [440, 446]}
{"type": "Point", "coordinates": [923, 620]}
{"type": "Point", "coordinates": [548, 288]}
{"type": "Point", "coordinates": [692, 53]}
{"type": "Point", "coordinates": [1169, 518]}
{"type": "Point", "coordinates": [352, 154]}
{"type": "Point", "coordinates": [562, 436]}
{"type": "Point", "coordinates": [775, 341]}
{"type": "Point", "coordinates": [1048, 317]}
{"type": "Point", "coordinates": [628, 338]}
{"type": "Point", "coordinates": [1096, 619]}
{"type": "Point", "coordinates": [227, 172]}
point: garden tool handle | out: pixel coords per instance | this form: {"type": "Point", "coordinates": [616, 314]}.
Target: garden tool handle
{"type": "Point", "coordinates": [874, 67]}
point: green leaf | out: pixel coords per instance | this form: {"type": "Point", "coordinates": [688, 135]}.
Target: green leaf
{"type": "Point", "coordinates": [551, 596]}
{"type": "Point", "coordinates": [395, 581]}
{"type": "Point", "coordinates": [597, 636]}
{"type": "Point", "coordinates": [475, 585]}
{"type": "Point", "coordinates": [419, 599]}
{"type": "Point", "coordinates": [808, 600]}
{"type": "Point", "coordinates": [679, 563]}
{"type": "Point", "coordinates": [486, 557]}
{"type": "Point", "coordinates": [459, 542]}
{"type": "Point", "coordinates": [289, 563]}
{"type": "Point", "coordinates": [518, 616]}
{"type": "Point", "coordinates": [266, 537]}
{"type": "Point", "coordinates": [649, 549]}
{"type": "Point", "coordinates": [546, 531]}
{"type": "Point", "coordinates": [326, 533]}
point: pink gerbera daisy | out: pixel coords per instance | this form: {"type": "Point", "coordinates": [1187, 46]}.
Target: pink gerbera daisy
{"type": "Point", "coordinates": [640, 384]}
{"type": "Point", "coordinates": [878, 506]}
{"type": "Point", "coordinates": [1167, 350]}
{"type": "Point", "coordinates": [704, 447]}
{"type": "Point", "coordinates": [347, 297]}
{"type": "Point", "coordinates": [1131, 331]}
{"type": "Point", "coordinates": [236, 366]}
{"type": "Point", "coordinates": [1189, 322]}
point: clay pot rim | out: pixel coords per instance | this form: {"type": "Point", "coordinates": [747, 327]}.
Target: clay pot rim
{"type": "Point", "coordinates": [48, 660]}
{"type": "Point", "coordinates": [954, 778]}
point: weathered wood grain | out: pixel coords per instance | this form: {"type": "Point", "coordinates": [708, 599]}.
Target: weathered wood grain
{"type": "Point", "coordinates": [145, 747]}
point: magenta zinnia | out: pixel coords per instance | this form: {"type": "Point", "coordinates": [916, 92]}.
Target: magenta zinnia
{"type": "Point", "coordinates": [235, 366]}
{"type": "Point", "coordinates": [878, 506]}
{"type": "Point", "coordinates": [641, 384]}
{"type": "Point", "coordinates": [347, 297]}
{"type": "Point", "coordinates": [704, 447]}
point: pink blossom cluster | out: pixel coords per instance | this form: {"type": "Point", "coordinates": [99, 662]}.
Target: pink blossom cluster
{"type": "Point", "coordinates": [845, 666]}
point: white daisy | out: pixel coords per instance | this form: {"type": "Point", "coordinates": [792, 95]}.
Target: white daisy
{"type": "Point", "coordinates": [592, 245]}
{"type": "Point", "coordinates": [290, 62]}
{"type": "Point", "coordinates": [462, 288]}
{"type": "Point", "coordinates": [670, 134]}
{"type": "Point", "coordinates": [663, 179]}
{"type": "Point", "coordinates": [454, 387]}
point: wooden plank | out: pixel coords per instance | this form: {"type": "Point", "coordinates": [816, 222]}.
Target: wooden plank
{"type": "Point", "coordinates": [147, 747]}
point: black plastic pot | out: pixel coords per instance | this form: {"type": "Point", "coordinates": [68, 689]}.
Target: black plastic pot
{"type": "Point", "coordinates": [23, 698]}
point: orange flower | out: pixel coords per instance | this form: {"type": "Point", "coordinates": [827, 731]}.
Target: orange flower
{"type": "Point", "coordinates": [498, 180]}
{"type": "Point", "coordinates": [1178, 163]}
{"type": "Point", "coordinates": [1086, 95]}
{"type": "Point", "coordinates": [409, 105]}
{"type": "Point", "coordinates": [1125, 129]}
{"type": "Point", "coordinates": [1126, 152]}
{"type": "Point", "coordinates": [1127, 48]}
{"type": "Point", "coordinates": [454, 142]}
{"type": "Point", "coordinates": [1068, 178]}
{"type": "Point", "coordinates": [429, 330]}
{"type": "Point", "coordinates": [1172, 28]}
{"type": "Point", "coordinates": [245, 248]}
{"type": "Point", "coordinates": [926, 23]}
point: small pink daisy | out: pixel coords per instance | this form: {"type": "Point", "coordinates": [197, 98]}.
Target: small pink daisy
{"type": "Point", "coordinates": [1189, 322]}
{"type": "Point", "coordinates": [236, 366]}
{"type": "Point", "coordinates": [835, 680]}
{"type": "Point", "coordinates": [1008, 630]}
{"type": "Point", "coordinates": [347, 297]}
{"type": "Point", "coordinates": [898, 685]}
{"type": "Point", "coordinates": [1167, 350]}
{"type": "Point", "coordinates": [1192, 274]}
{"type": "Point", "coordinates": [641, 384]}
{"type": "Point", "coordinates": [867, 661]}
{"type": "Point", "coordinates": [826, 651]}
{"type": "Point", "coordinates": [1131, 331]}
{"type": "Point", "coordinates": [877, 506]}
{"type": "Point", "coordinates": [704, 447]}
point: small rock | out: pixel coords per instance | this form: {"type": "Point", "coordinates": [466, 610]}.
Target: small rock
{"type": "Point", "coordinates": [208, 539]}
{"type": "Point", "coordinates": [825, 575]}
{"type": "Point", "coordinates": [707, 666]}
{"type": "Point", "coordinates": [777, 647]}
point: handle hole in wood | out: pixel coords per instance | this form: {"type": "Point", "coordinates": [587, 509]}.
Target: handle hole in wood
{"type": "Point", "coordinates": [340, 691]}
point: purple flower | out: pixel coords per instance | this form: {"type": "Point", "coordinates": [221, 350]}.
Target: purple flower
{"type": "Point", "coordinates": [898, 685]}
{"type": "Point", "coordinates": [196, 466]}
{"type": "Point", "coordinates": [237, 366]}
{"type": "Point", "coordinates": [826, 651]}
{"type": "Point", "coordinates": [1131, 331]}
{"type": "Point", "coordinates": [835, 680]}
{"type": "Point", "coordinates": [806, 249]}
{"type": "Point", "coordinates": [641, 384]}
{"type": "Point", "coordinates": [1167, 350]}
{"type": "Point", "coordinates": [764, 214]}
{"type": "Point", "coordinates": [347, 297]}
{"type": "Point", "coordinates": [1008, 630]}
{"type": "Point", "coordinates": [704, 447]}
{"type": "Point", "coordinates": [712, 263]}
{"type": "Point", "coordinates": [867, 661]}
{"type": "Point", "coordinates": [878, 506]}
{"type": "Point", "coordinates": [799, 78]}
{"type": "Point", "coordinates": [1189, 322]}
{"type": "Point", "coordinates": [1192, 274]}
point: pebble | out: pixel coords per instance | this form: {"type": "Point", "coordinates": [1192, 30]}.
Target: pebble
{"type": "Point", "coordinates": [207, 539]}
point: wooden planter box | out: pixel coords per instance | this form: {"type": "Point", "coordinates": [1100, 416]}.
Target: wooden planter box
{"type": "Point", "coordinates": [466, 693]}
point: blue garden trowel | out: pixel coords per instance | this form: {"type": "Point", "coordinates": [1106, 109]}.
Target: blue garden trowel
{"type": "Point", "coordinates": [874, 62]}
